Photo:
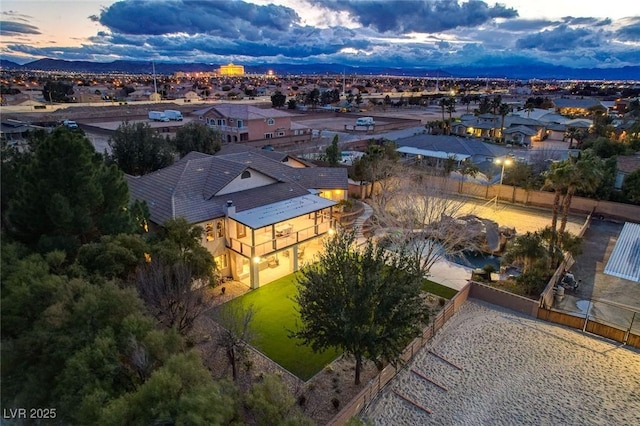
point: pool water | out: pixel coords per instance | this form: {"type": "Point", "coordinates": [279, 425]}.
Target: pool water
{"type": "Point", "coordinates": [476, 260]}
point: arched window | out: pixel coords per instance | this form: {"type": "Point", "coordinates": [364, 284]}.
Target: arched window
{"type": "Point", "coordinates": [245, 175]}
{"type": "Point", "coordinates": [271, 122]}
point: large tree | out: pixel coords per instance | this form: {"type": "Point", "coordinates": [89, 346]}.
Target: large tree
{"type": "Point", "coordinates": [180, 242]}
{"type": "Point", "coordinates": [419, 213]}
{"type": "Point", "coordinates": [278, 100]}
{"type": "Point", "coordinates": [171, 295]}
{"type": "Point", "coordinates": [332, 153]}
{"type": "Point", "coordinates": [631, 187]}
{"type": "Point", "coordinates": [198, 137]}
{"type": "Point", "coordinates": [234, 332]}
{"type": "Point", "coordinates": [364, 302]}
{"type": "Point", "coordinates": [88, 344]}
{"type": "Point", "coordinates": [138, 149]}
{"type": "Point", "coordinates": [179, 393]}
{"type": "Point", "coordinates": [68, 196]}
{"type": "Point", "coordinates": [577, 173]}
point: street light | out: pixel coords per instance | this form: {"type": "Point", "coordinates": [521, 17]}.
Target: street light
{"type": "Point", "coordinates": [504, 162]}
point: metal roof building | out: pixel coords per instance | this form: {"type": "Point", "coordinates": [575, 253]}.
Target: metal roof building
{"type": "Point", "coordinates": [624, 261]}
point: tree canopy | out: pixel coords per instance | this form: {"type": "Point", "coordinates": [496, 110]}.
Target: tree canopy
{"type": "Point", "coordinates": [366, 303]}
{"type": "Point", "coordinates": [68, 195]}
{"type": "Point", "coordinates": [278, 100]}
{"type": "Point", "coordinates": [198, 137]}
{"type": "Point", "coordinates": [138, 149]}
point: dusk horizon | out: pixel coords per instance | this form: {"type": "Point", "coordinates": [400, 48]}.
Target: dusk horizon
{"type": "Point", "coordinates": [444, 35]}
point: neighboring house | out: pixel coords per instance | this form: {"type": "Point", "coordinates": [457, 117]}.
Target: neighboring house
{"type": "Point", "coordinates": [517, 129]}
{"type": "Point", "coordinates": [569, 106]}
{"type": "Point", "coordinates": [481, 126]}
{"type": "Point", "coordinates": [519, 135]}
{"type": "Point", "coordinates": [247, 123]}
{"type": "Point", "coordinates": [14, 132]}
{"type": "Point", "coordinates": [434, 150]}
{"type": "Point", "coordinates": [625, 165]}
{"type": "Point", "coordinates": [264, 213]}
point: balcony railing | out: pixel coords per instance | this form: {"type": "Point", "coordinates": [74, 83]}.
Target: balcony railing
{"type": "Point", "coordinates": [280, 242]}
{"type": "Point", "coordinates": [232, 129]}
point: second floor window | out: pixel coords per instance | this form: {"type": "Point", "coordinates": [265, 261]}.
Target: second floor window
{"type": "Point", "coordinates": [239, 124]}
{"type": "Point", "coordinates": [268, 135]}
{"type": "Point", "coordinates": [209, 231]}
{"type": "Point", "coordinates": [271, 122]}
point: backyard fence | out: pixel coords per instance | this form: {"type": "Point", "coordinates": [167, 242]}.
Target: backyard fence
{"type": "Point", "coordinates": [377, 384]}
{"type": "Point", "coordinates": [607, 319]}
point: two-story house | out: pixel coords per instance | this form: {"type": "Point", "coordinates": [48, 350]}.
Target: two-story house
{"type": "Point", "coordinates": [242, 123]}
{"type": "Point", "coordinates": [264, 213]}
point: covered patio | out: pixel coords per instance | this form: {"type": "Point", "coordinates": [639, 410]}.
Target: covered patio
{"type": "Point", "coordinates": [271, 241]}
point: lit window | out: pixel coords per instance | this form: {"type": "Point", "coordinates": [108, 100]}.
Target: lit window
{"type": "Point", "coordinates": [209, 231]}
{"type": "Point", "coordinates": [220, 229]}
{"type": "Point", "coordinates": [221, 261]}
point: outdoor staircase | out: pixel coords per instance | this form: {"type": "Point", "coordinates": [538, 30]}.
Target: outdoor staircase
{"type": "Point", "coordinates": [358, 225]}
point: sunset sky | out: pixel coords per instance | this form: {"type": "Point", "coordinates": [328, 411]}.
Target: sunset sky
{"type": "Point", "coordinates": [407, 33]}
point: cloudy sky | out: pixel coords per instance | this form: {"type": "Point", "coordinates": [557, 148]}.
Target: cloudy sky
{"type": "Point", "coordinates": [403, 33]}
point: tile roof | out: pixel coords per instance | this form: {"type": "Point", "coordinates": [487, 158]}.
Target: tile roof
{"type": "Point", "coordinates": [628, 163]}
{"type": "Point", "coordinates": [190, 187]}
{"type": "Point", "coordinates": [449, 144]}
{"type": "Point", "coordinates": [528, 131]}
{"type": "Point", "coordinates": [576, 103]}
{"type": "Point", "coordinates": [243, 111]}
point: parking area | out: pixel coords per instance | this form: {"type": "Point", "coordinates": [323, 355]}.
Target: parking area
{"type": "Point", "coordinates": [614, 292]}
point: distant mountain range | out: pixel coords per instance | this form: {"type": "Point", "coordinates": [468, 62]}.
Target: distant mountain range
{"type": "Point", "coordinates": [520, 72]}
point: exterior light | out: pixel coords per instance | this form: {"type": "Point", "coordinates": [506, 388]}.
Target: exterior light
{"type": "Point", "coordinates": [331, 231]}
{"type": "Point", "coordinates": [505, 162]}
{"type": "Point", "coordinates": [256, 259]}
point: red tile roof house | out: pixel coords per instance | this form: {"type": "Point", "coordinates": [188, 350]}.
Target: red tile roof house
{"type": "Point", "coordinates": [264, 213]}
{"type": "Point", "coordinates": [247, 124]}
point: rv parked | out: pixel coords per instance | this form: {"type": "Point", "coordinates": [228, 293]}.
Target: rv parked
{"type": "Point", "coordinates": [172, 114]}
{"type": "Point", "coordinates": [365, 121]}
{"type": "Point", "coordinates": [158, 116]}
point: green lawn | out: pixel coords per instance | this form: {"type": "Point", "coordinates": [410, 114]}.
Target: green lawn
{"type": "Point", "coordinates": [275, 316]}
{"type": "Point", "coordinates": [438, 289]}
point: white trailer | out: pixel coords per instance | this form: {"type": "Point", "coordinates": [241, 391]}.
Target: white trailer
{"type": "Point", "coordinates": [173, 114]}
{"type": "Point", "coordinates": [365, 121]}
{"type": "Point", "coordinates": [158, 116]}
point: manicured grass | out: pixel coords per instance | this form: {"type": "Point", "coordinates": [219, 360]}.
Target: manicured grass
{"type": "Point", "coordinates": [438, 289]}
{"type": "Point", "coordinates": [275, 316]}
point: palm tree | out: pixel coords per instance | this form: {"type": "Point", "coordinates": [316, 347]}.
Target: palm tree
{"type": "Point", "coordinates": [444, 102]}
{"type": "Point", "coordinates": [585, 174]}
{"type": "Point", "coordinates": [466, 100]}
{"type": "Point", "coordinates": [451, 108]}
{"type": "Point", "coordinates": [572, 133]}
{"type": "Point", "coordinates": [495, 103]}
{"type": "Point", "coordinates": [527, 248]}
{"type": "Point", "coordinates": [555, 179]}
{"type": "Point", "coordinates": [529, 107]}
